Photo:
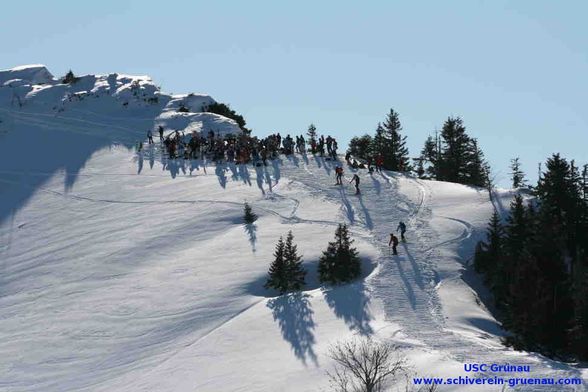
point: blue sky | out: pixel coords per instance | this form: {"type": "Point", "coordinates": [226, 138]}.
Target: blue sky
{"type": "Point", "coordinates": [515, 71]}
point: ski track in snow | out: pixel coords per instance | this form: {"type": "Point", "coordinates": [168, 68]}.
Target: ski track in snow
{"type": "Point", "coordinates": [406, 284]}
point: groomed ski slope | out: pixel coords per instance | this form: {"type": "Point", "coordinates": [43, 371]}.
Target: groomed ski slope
{"type": "Point", "coordinates": [125, 271]}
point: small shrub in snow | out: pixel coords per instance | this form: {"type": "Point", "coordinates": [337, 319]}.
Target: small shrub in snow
{"type": "Point", "coordinates": [249, 217]}
{"type": "Point", "coordinates": [365, 365]}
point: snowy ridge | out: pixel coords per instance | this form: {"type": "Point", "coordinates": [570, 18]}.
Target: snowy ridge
{"type": "Point", "coordinates": [33, 89]}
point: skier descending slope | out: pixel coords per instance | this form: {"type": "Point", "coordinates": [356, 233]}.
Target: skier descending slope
{"type": "Point", "coordinates": [394, 243]}
{"type": "Point", "coordinates": [339, 175]}
{"type": "Point", "coordinates": [402, 228]}
{"type": "Point", "coordinates": [356, 179]}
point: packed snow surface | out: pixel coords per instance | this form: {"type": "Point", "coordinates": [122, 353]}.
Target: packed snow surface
{"type": "Point", "coordinates": [126, 271]}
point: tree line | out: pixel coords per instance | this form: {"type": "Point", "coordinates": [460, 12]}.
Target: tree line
{"type": "Point", "coordinates": [451, 155]}
{"type": "Point", "coordinates": [536, 262]}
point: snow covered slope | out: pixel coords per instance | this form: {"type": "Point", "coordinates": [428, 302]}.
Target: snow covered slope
{"type": "Point", "coordinates": [124, 271]}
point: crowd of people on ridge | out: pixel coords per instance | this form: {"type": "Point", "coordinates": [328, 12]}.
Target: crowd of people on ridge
{"type": "Point", "coordinates": [241, 148]}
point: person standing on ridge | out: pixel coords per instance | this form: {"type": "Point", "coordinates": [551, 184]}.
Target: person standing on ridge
{"type": "Point", "coordinates": [150, 136]}
{"type": "Point", "coordinates": [394, 243]}
{"type": "Point", "coordinates": [402, 228]}
{"type": "Point", "coordinates": [356, 179]}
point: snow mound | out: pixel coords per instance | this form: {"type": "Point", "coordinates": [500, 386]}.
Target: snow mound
{"type": "Point", "coordinates": [193, 102]}
{"type": "Point", "coordinates": [199, 122]}
{"type": "Point", "coordinates": [26, 74]}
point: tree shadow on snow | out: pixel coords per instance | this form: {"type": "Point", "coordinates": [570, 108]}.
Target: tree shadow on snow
{"type": "Point", "coordinates": [251, 230]}
{"type": "Point", "coordinates": [293, 313]}
{"type": "Point", "coordinates": [351, 303]}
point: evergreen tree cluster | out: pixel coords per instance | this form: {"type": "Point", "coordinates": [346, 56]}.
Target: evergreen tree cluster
{"type": "Point", "coordinates": [387, 143]}
{"type": "Point", "coordinates": [286, 272]}
{"type": "Point", "coordinates": [340, 263]}
{"type": "Point", "coordinates": [361, 146]}
{"type": "Point", "coordinates": [536, 264]}
{"type": "Point", "coordinates": [454, 156]}
{"type": "Point", "coordinates": [226, 111]}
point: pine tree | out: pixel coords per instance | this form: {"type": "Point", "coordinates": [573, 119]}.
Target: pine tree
{"type": "Point", "coordinates": [517, 228]}
{"type": "Point", "coordinates": [249, 217]}
{"type": "Point", "coordinates": [379, 143]}
{"type": "Point", "coordinates": [70, 78]}
{"type": "Point", "coordinates": [360, 147]}
{"type": "Point", "coordinates": [278, 271]}
{"type": "Point", "coordinates": [429, 156]}
{"type": "Point", "coordinates": [452, 165]}
{"type": "Point", "coordinates": [459, 159]}
{"type": "Point", "coordinates": [420, 168]}
{"type": "Point", "coordinates": [286, 272]}
{"type": "Point", "coordinates": [489, 252]}
{"type": "Point", "coordinates": [396, 153]}
{"type": "Point", "coordinates": [579, 331]}
{"type": "Point", "coordinates": [296, 272]}
{"type": "Point", "coordinates": [340, 263]}
{"type": "Point", "coordinates": [517, 175]}
{"type": "Point", "coordinates": [476, 167]}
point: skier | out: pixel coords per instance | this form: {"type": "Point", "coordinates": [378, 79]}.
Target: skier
{"type": "Point", "coordinates": [150, 136]}
{"type": "Point", "coordinates": [339, 175]}
{"type": "Point", "coordinates": [160, 133]}
{"type": "Point", "coordinates": [356, 179]}
{"type": "Point", "coordinates": [394, 243]}
{"type": "Point", "coordinates": [402, 228]}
